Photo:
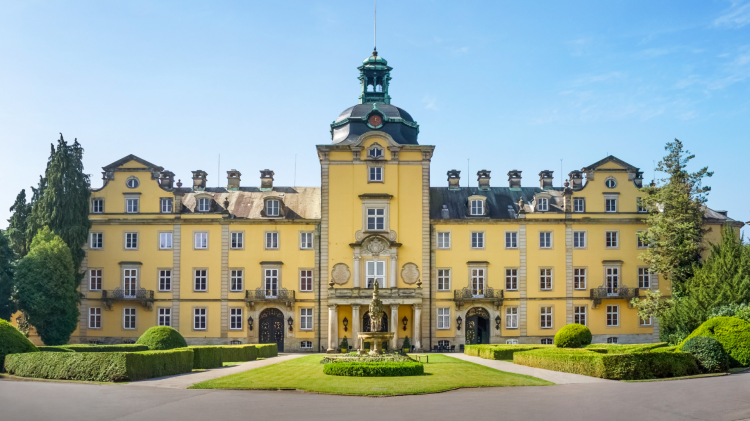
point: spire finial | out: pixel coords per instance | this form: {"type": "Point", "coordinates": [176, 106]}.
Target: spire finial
{"type": "Point", "coordinates": [375, 32]}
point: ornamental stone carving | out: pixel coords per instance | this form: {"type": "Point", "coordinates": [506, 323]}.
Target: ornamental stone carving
{"type": "Point", "coordinates": [410, 273]}
{"type": "Point", "coordinates": [340, 273]}
{"type": "Point", "coordinates": [376, 246]}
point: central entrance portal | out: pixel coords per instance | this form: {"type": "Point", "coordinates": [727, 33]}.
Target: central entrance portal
{"type": "Point", "coordinates": [477, 326]}
{"type": "Point", "coordinates": [272, 327]}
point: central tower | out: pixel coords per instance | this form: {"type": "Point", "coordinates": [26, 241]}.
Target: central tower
{"type": "Point", "coordinates": [374, 76]}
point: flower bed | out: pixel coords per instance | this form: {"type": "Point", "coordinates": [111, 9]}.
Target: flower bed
{"type": "Point", "coordinates": [374, 369]}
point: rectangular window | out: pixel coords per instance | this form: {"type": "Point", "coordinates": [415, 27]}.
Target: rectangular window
{"type": "Point", "coordinates": [201, 240]}
{"type": "Point", "coordinates": [237, 240]}
{"type": "Point", "coordinates": [97, 205]}
{"type": "Point", "coordinates": [545, 240]}
{"type": "Point", "coordinates": [641, 242]}
{"type": "Point", "coordinates": [305, 319]}
{"type": "Point", "coordinates": [306, 240]}
{"type": "Point", "coordinates": [272, 240]}
{"type": "Point", "coordinates": [548, 341]}
{"type": "Point", "coordinates": [235, 318]}
{"type": "Point", "coordinates": [129, 322]}
{"type": "Point", "coordinates": [272, 283]}
{"type": "Point", "coordinates": [305, 345]}
{"type": "Point", "coordinates": [579, 278]}
{"type": "Point", "coordinates": [579, 239]}
{"type": "Point", "coordinates": [511, 279]}
{"type": "Point", "coordinates": [444, 240]}
{"type": "Point", "coordinates": [477, 207]}
{"type": "Point", "coordinates": [477, 240]}
{"type": "Point", "coordinates": [204, 205]}
{"type": "Point", "coordinates": [511, 240]}
{"type": "Point", "coordinates": [272, 207]}
{"type": "Point", "coordinates": [165, 280]}
{"type": "Point", "coordinates": [235, 280]}
{"type": "Point", "coordinates": [610, 239]}
{"type": "Point", "coordinates": [376, 219]}
{"type": "Point", "coordinates": [131, 240]}
{"type": "Point", "coordinates": [612, 281]}
{"type": "Point", "coordinates": [201, 280]}
{"type": "Point", "coordinates": [305, 280]}
{"type": "Point", "coordinates": [131, 205]}
{"type": "Point", "coordinates": [613, 315]}
{"type": "Point", "coordinates": [610, 205]}
{"type": "Point", "coordinates": [97, 240]}
{"type": "Point", "coordinates": [165, 317]}
{"type": "Point", "coordinates": [612, 340]}
{"type": "Point", "coordinates": [545, 279]}
{"type": "Point", "coordinates": [477, 282]}
{"type": "Point", "coordinates": [546, 317]}
{"type": "Point", "coordinates": [95, 279]}
{"type": "Point", "coordinates": [166, 205]}
{"type": "Point", "coordinates": [641, 207]}
{"type": "Point", "coordinates": [199, 319]}
{"type": "Point", "coordinates": [444, 279]}
{"type": "Point", "coordinates": [165, 240]}
{"type": "Point", "coordinates": [444, 318]}
{"type": "Point", "coordinates": [511, 317]}
{"type": "Point", "coordinates": [131, 282]}
{"type": "Point", "coordinates": [579, 204]}
{"type": "Point", "coordinates": [95, 318]}
{"type": "Point", "coordinates": [543, 205]}
{"type": "Point", "coordinates": [646, 321]}
{"type": "Point", "coordinates": [644, 278]}
{"type": "Point", "coordinates": [376, 174]}
{"type": "Point", "coordinates": [511, 342]}
{"type": "Point", "coordinates": [579, 315]}
{"type": "Point", "coordinates": [375, 273]}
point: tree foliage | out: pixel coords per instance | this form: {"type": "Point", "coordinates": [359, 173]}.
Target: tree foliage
{"type": "Point", "coordinates": [652, 305]}
{"type": "Point", "coordinates": [7, 305]}
{"type": "Point", "coordinates": [676, 209]}
{"type": "Point", "coordinates": [46, 288]}
{"type": "Point", "coordinates": [18, 225]}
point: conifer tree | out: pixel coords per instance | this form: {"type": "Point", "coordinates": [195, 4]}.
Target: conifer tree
{"type": "Point", "coordinates": [46, 285]}
{"type": "Point", "coordinates": [18, 224]}
{"type": "Point", "coordinates": [7, 305]}
{"type": "Point", "coordinates": [675, 222]}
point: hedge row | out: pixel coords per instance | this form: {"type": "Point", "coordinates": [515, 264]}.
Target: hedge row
{"type": "Point", "coordinates": [732, 333]}
{"type": "Point", "coordinates": [100, 366]}
{"type": "Point", "coordinates": [94, 348]}
{"type": "Point", "coordinates": [616, 366]}
{"type": "Point", "coordinates": [208, 356]}
{"type": "Point", "coordinates": [386, 369]}
{"type": "Point", "coordinates": [234, 353]}
{"type": "Point", "coordinates": [624, 349]}
{"type": "Point", "coordinates": [499, 352]}
{"type": "Point", "coordinates": [267, 350]}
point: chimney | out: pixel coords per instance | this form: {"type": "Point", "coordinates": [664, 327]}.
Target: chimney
{"type": "Point", "coordinates": [166, 179]}
{"type": "Point", "coordinates": [545, 179]}
{"type": "Point", "coordinates": [454, 179]}
{"type": "Point", "coordinates": [514, 179]}
{"type": "Point", "coordinates": [576, 179]}
{"type": "Point", "coordinates": [567, 198]}
{"type": "Point", "coordinates": [199, 180]}
{"type": "Point", "coordinates": [638, 179]}
{"type": "Point", "coordinates": [483, 179]}
{"type": "Point", "coordinates": [266, 180]}
{"type": "Point", "coordinates": [233, 180]}
{"type": "Point", "coordinates": [722, 213]}
{"type": "Point", "coordinates": [444, 213]}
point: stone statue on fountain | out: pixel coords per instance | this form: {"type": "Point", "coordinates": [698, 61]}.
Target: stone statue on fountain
{"type": "Point", "coordinates": [375, 336]}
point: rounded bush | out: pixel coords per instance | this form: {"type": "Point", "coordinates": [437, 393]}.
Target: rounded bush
{"type": "Point", "coordinates": [159, 338]}
{"type": "Point", "coordinates": [708, 352]}
{"type": "Point", "coordinates": [368, 369]}
{"type": "Point", "coordinates": [12, 342]}
{"type": "Point", "coordinates": [573, 336]}
{"type": "Point", "coordinates": [732, 333]}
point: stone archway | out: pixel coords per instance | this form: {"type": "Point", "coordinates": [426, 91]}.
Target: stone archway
{"type": "Point", "coordinates": [477, 326]}
{"type": "Point", "coordinates": [272, 327]}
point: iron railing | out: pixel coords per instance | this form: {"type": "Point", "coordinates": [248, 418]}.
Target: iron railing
{"type": "Point", "coordinates": [608, 293]}
{"type": "Point", "coordinates": [280, 295]}
{"type": "Point", "coordinates": [144, 296]}
{"type": "Point", "coordinates": [469, 294]}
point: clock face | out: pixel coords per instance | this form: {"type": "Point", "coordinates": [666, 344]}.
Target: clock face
{"type": "Point", "coordinates": [375, 120]}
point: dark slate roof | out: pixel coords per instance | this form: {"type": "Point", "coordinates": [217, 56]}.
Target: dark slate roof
{"type": "Point", "coordinates": [498, 200]}
{"type": "Point", "coordinates": [350, 132]}
{"type": "Point", "coordinates": [248, 202]}
{"type": "Point", "coordinates": [610, 158]}
{"type": "Point", "coordinates": [127, 159]}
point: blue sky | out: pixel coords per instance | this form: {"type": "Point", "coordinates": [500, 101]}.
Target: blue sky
{"type": "Point", "coordinates": [506, 84]}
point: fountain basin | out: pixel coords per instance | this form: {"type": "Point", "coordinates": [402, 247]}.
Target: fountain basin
{"type": "Point", "coordinates": [376, 340]}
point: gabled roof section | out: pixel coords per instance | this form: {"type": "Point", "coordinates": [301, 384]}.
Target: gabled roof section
{"type": "Point", "coordinates": [610, 158]}
{"type": "Point", "coordinates": [123, 161]}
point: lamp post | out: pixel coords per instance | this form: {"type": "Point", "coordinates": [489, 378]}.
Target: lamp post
{"type": "Point", "coordinates": [497, 322]}
{"type": "Point", "coordinates": [404, 321]}
{"type": "Point", "coordinates": [290, 322]}
{"type": "Point", "coordinates": [250, 323]}
{"type": "Point", "coordinates": [458, 323]}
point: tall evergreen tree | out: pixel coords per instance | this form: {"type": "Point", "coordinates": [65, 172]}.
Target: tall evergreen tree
{"type": "Point", "coordinates": [46, 285]}
{"type": "Point", "coordinates": [7, 305]}
{"type": "Point", "coordinates": [18, 224]}
{"type": "Point", "coordinates": [675, 221]}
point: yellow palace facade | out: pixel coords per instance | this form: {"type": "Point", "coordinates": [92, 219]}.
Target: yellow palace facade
{"type": "Point", "coordinates": [296, 265]}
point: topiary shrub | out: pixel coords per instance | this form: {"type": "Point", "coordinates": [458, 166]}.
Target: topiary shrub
{"type": "Point", "coordinates": [159, 338]}
{"type": "Point", "coordinates": [12, 342]}
{"type": "Point", "coordinates": [378, 369]}
{"type": "Point", "coordinates": [573, 335]}
{"type": "Point", "coordinates": [708, 352]}
{"type": "Point", "coordinates": [732, 333]}
{"type": "Point", "coordinates": [344, 345]}
{"type": "Point", "coordinates": [406, 346]}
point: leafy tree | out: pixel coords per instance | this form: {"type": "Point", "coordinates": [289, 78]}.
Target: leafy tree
{"type": "Point", "coordinates": [7, 305]}
{"type": "Point", "coordinates": [18, 224]}
{"type": "Point", "coordinates": [46, 288]}
{"type": "Point", "coordinates": [652, 305]}
{"type": "Point", "coordinates": [63, 198]}
{"type": "Point", "coordinates": [676, 210]}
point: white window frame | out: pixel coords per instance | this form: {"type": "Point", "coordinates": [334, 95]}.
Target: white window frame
{"type": "Point", "coordinates": [132, 204]}
{"type": "Point", "coordinates": [132, 182]}
{"type": "Point", "coordinates": [543, 205]}
{"type": "Point", "coordinates": [200, 280]}
{"type": "Point", "coordinates": [579, 239]}
{"type": "Point", "coordinates": [200, 240]}
{"type": "Point", "coordinates": [478, 281]}
{"type": "Point", "coordinates": [444, 240]}
{"type": "Point", "coordinates": [546, 279]}
{"type": "Point", "coordinates": [129, 318]}
{"type": "Point", "coordinates": [97, 241]}
{"type": "Point", "coordinates": [612, 239]}
{"type": "Point", "coordinates": [644, 278]}
{"type": "Point", "coordinates": [306, 319]}
{"type": "Point", "coordinates": [165, 280]}
{"type": "Point", "coordinates": [613, 315]}
{"type": "Point", "coordinates": [511, 317]}
{"type": "Point", "coordinates": [580, 314]}
{"type": "Point", "coordinates": [375, 153]}
{"type": "Point", "coordinates": [237, 240]}
{"type": "Point", "coordinates": [273, 207]}
{"type": "Point", "coordinates": [305, 345]}
{"type": "Point", "coordinates": [131, 241]}
{"type": "Point", "coordinates": [511, 342]}
{"type": "Point", "coordinates": [272, 240]}
{"type": "Point", "coordinates": [612, 340]}
{"type": "Point", "coordinates": [612, 279]}
{"type": "Point", "coordinates": [165, 205]}
{"type": "Point", "coordinates": [444, 318]}
{"type": "Point", "coordinates": [375, 174]}
{"type": "Point", "coordinates": [236, 280]}
{"type": "Point", "coordinates": [200, 318]}
{"type": "Point", "coordinates": [271, 282]}
{"type": "Point", "coordinates": [646, 322]}
{"type": "Point", "coordinates": [546, 319]}
{"type": "Point", "coordinates": [235, 318]}
{"type": "Point", "coordinates": [511, 279]}
{"type": "Point", "coordinates": [639, 205]}
{"type": "Point", "coordinates": [610, 204]}
{"type": "Point", "coordinates": [476, 207]}
{"type": "Point", "coordinates": [545, 240]}
{"type": "Point", "coordinates": [164, 317]}
{"type": "Point", "coordinates": [639, 243]}
{"type": "Point", "coordinates": [306, 280]}
{"type": "Point", "coordinates": [477, 240]}
{"type": "Point", "coordinates": [204, 204]}
{"type": "Point", "coordinates": [579, 204]}
{"type": "Point", "coordinates": [511, 239]}
{"type": "Point", "coordinates": [373, 219]}
{"type": "Point", "coordinates": [371, 273]}
{"type": "Point", "coordinates": [547, 341]}
{"type": "Point", "coordinates": [130, 282]}
{"type": "Point", "coordinates": [95, 317]}
{"type": "Point", "coordinates": [95, 276]}
{"type": "Point", "coordinates": [612, 181]}
{"type": "Point", "coordinates": [165, 240]}
{"type": "Point", "coordinates": [444, 279]}
{"type": "Point", "coordinates": [306, 240]}
{"type": "Point", "coordinates": [97, 205]}
{"type": "Point", "coordinates": [580, 278]}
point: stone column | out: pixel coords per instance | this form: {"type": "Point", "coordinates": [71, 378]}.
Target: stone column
{"type": "Point", "coordinates": [394, 325]}
{"type": "Point", "coordinates": [417, 323]}
{"type": "Point", "coordinates": [356, 268]}
{"type": "Point", "coordinates": [394, 268]}
{"type": "Point", "coordinates": [332, 328]}
{"type": "Point", "coordinates": [355, 326]}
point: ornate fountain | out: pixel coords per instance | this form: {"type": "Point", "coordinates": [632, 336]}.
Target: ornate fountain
{"type": "Point", "coordinates": [375, 337]}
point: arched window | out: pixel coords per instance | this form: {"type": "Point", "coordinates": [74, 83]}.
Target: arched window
{"type": "Point", "coordinates": [369, 88]}
{"type": "Point", "coordinates": [379, 88]}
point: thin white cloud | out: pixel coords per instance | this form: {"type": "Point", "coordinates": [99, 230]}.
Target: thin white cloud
{"type": "Point", "coordinates": [737, 16]}
{"type": "Point", "coordinates": [430, 102]}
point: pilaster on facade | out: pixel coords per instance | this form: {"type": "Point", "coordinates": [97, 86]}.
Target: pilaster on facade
{"type": "Point", "coordinates": [569, 272]}
{"type": "Point", "coordinates": [176, 281]}
{"type": "Point", "coordinates": [427, 237]}
{"type": "Point", "coordinates": [224, 280]}
{"type": "Point", "coordinates": [431, 305]}
{"type": "Point", "coordinates": [83, 322]}
{"type": "Point", "coordinates": [522, 277]}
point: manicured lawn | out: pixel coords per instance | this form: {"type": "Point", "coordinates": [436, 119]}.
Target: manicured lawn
{"type": "Point", "coordinates": [306, 373]}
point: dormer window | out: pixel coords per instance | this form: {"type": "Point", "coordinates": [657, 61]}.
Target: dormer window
{"type": "Point", "coordinates": [610, 182]}
{"type": "Point", "coordinates": [477, 207]}
{"type": "Point", "coordinates": [204, 205]}
{"type": "Point", "coordinates": [272, 208]}
{"type": "Point", "coordinates": [132, 182]}
{"type": "Point", "coordinates": [375, 153]}
{"type": "Point", "coordinates": [543, 205]}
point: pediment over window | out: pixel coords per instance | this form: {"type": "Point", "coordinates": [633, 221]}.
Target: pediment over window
{"type": "Point", "coordinates": [477, 206]}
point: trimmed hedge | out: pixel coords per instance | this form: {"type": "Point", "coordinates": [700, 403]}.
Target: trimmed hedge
{"type": "Point", "coordinates": [161, 338]}
{"type": "Point", "coordinates": [499, 352]}
{"type": "Point", "coordinates": [235, 353]}
{"type": "Point", "coordinates": [267, 350]}
{"type": "Point", "coordinates": [732, 333]}
{"type": "Point", "coordinates": [384, 369]}
{"type": "Point", "coordinates": [573, 335]}
{"type": "Point", "coordinates": [617, 366]}
{"type": "Point", "coordinates": [12, 342]}
{"type": "Point", "coordinates": [100, 366]}
{"type": "Point", "coordinates": [708, 352]}
{"type": "Point", "coordinates": [625, 349]}
{"type": "Point", "coordinates": [95, 348]}
{"type": "Point", "coordinates": [207, 356]}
